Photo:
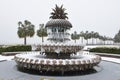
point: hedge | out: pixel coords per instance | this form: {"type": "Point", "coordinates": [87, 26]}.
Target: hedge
{"type": "Point", "coordinates": [16, 48]}
{"type": "Point", "coordinates": [106, 50]}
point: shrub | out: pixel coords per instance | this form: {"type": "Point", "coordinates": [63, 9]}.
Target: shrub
{"type": "Point", "coordinates": [16, 48]}
{"type": "Point", "coordinates": [106, 50]}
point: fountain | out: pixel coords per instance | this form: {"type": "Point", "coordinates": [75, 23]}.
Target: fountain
{"type": "Point", "coordinates": [59, 55]}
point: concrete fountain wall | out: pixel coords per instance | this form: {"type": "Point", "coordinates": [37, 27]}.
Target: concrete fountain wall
{"type": "Point", "coordinates": [35, 61]}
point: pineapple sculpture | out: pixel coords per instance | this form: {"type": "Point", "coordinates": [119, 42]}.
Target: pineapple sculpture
{"type": "Point", "coordinates": [57, 30]}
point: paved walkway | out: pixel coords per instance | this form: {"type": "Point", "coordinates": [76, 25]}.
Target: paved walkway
{"type": "Point", "coordinates": [116, 60]}
{"type": "Point", "coordinates": [6, 58]}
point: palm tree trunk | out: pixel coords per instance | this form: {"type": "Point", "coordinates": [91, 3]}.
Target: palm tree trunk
{"type": "Point", "coordinates": [96, 41]}
{"type": "Point", "coordinates": [42, 39]}
{"type": "Point", "coordinates": [104, 42]}
{"type": "Point", "coordinates": [75, 40]}
{"type": "Point", "coordinates": [92, 41]}
{"type": "Point", "coordinates": [87, 41]}
{"type": "Point", "coordinates": [82, 40]}
{"type": "Point", "coordinates": [25, 41]}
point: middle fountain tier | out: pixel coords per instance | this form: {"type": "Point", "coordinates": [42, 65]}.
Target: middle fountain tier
{"type": "Point", "coordinates": [58, 35]}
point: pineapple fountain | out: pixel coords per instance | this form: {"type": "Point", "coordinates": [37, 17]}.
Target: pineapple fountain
{"type": "Point", "coordinates": [59, 55]}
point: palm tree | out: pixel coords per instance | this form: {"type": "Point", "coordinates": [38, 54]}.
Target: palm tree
{"type": "Point", "coordinates": [59, 13]}
{"type": "Point", "coordinates": [92, 34]}
{"type": "Point", "coordinates": [117, 37]}
{"type": "Point", "coordinates": [96, 35]}
{"type": "Point", "coordinates": [100, 38]}
{"type": "Point", "coordinates": [42, 32]}
{"type": "Point", "coordinates": [75, 36]}
{"type": "Point", "coordinates": [112, 40]}
{"type": "Point", "coordinates": [87, 36]}
{"type": "Point", "coordinates": [104, 39]}
{"type": "Point", "coordinates": [25, 30]}
{"type": "Point", "coordinates": [109, 40]}
{"type": "Point", "coordinates": [82, 34]}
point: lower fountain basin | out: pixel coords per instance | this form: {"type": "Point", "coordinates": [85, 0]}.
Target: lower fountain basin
{"type": "Point", "coordinates": [36, 61]}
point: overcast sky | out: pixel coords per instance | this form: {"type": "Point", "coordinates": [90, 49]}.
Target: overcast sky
{"type": "Point", "coordinates": [102, 16]}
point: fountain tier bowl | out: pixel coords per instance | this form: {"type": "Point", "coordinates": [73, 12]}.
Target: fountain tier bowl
{"type": "Point", "coordinates": [36, 61]}
{"type": "Point", "coordinates": [59, 50]}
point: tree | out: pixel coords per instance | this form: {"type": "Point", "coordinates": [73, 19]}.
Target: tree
{"type": "Point", "coordinates": [117, 37]}
{"type": "Point", "coordinates": [25, 30]}
{"type": "Point", "coordinates": [110, 40]}
{"type": "Point", "coordinates": [87, 36]}
{"type": "Point", "coordinates": [104, 39]}
{"type": "Point", "coordinates": [82, 34]}
{"type": "Point", "coordinates": [75, 36]}
{"type": "Point", "coordinates": [96, 35]}
{"type": "Point", "coordinates": [92, 35]}
{"type": "Point", "coordinates": [42, 32]}
{"type": "Point", "coordinates": [59, 13]}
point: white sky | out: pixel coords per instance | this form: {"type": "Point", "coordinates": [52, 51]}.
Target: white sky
{"type": "Point", "coordinates": [102, 16]}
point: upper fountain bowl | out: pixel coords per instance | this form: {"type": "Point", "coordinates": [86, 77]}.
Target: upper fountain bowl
{"type": "Point", "coordinates": [58, 23]}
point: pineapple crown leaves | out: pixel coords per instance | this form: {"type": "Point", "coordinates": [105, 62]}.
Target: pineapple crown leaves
{"type": "Point", "coordinates": [59, 13]}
